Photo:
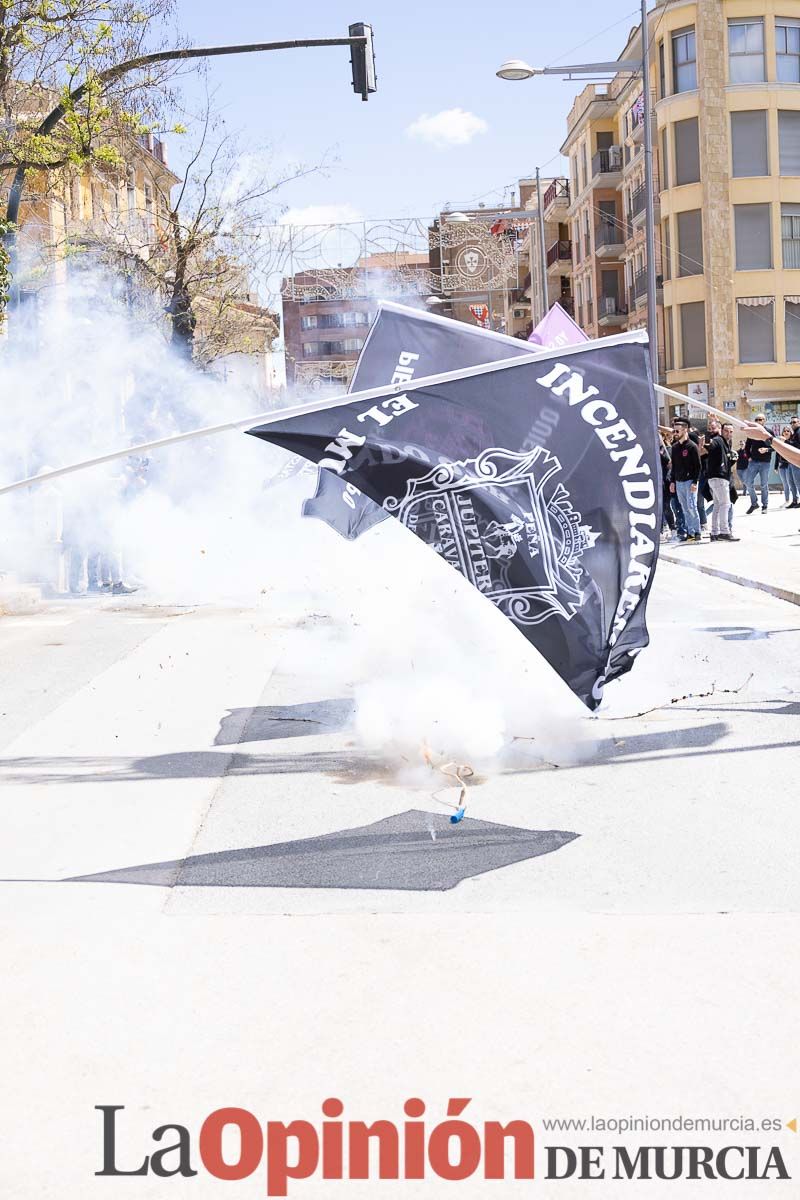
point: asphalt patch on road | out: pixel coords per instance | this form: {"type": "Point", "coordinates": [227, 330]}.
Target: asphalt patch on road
{"type": "Point", "coordinates": [413, 851]}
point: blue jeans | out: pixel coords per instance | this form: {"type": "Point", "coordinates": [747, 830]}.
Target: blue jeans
{"type": "Point", "coordinates": [680, 521]}
{"type": "Point", "coordinates": [754, 471]}
{"type": "Point", "coordinates": [786, 476]}
{"type": "Point", "coordinates": [688, 502]}
{"type": "Point", "coordinates": [795, 476]}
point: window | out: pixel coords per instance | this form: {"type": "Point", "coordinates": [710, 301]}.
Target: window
{"type": "Point", "coordinates": [787, 47]}
{"type": "Point", "coordinates": [308, 322]}
{"type": "Point", "coordinates": [789, 141]}
{"type": "Point", "coordinates": [690, 243]}
{"type": "Point", "coordinates": [753, 236]}
{"type": "Point", "coordinates": [687, 152]}
{"type": "Point", "coordinates": [584, 168]}
{"type": "Point", "coordinates": [609, 285]}
{"type": "Point", "coordinates": [693, 333]}
{"type": "Point", "coordinates": [669, 354]}
{"type": "Point", "coordinates": [749, 143]}
{"type": "Point", "coordinates": [664, 164]}
{"type": "Point", "coordinates": [131, 189]}
{"type": "Point", "coordinates": [148, 206]}
{"type": "Point", "coordinates": [756, 329]}
{"type": "Point", "coordinates": [746, 51]}
{"type": "Point", "coordinates": [684, 61]}
{"type": "Point", "coordinates": [666, 252]}
{"type": "Point", "coordinates": [790, 235]}
{"type": "Point", "coordinates": [662, 72]}
{"type": "Point", "coordinates": [791, 324]}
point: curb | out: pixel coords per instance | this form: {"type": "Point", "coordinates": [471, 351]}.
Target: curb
{"type": "Point", "coordinates": [781, 593]}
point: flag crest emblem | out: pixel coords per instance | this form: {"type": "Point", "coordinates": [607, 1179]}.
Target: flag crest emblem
{"type": "Point", "coordinates": [446, 508]}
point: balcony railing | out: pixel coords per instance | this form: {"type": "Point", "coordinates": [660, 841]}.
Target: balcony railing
{"type": "Point", "coordinates": [568, 304]}
{"type": "Point", "coordinates": [638, 201]}
{"type": "Point", "coordinates": [560, 251]}
{"type": "Point", "coordinates": [609, 306]}
{"type": "Point", "coordinates": [640, 284]}
{"type": "Point", "coordinates": [608, 233]}
{"type": "Point", "coordinates": [607, 161]}
{"type": "Point", "coordinates": [558, 190]}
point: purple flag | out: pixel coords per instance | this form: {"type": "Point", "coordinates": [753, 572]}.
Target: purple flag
{"type": "Point", "coordinates": [557, 329]}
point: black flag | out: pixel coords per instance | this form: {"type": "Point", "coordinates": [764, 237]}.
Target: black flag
{"type": "Point", "coordinates": [402, 344]}
{"type": "Point", "coordinates": [537, 480]}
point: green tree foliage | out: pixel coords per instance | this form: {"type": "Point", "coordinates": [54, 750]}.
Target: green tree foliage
{"type": "Point", "coordinates": [51, 49]}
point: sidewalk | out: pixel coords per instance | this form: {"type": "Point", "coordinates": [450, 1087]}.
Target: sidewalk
{"type": "Point", "coordinates": [767, 557]}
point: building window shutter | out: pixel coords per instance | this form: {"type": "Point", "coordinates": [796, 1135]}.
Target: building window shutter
{"type": "Point", "coordinates": [792, 329]}
{"type": "Point", "coordinates": [749, 143]}
{"type": "Point", "coordinates": [687, 152]}
{"type": "Point", "coordinates": [753, 236]}
{"type": "Point", "coordinates": [756, 330]}
{"type": "Point", "coordinates": [690, 243]}
{"type": "Point", "coordinates": [790, 235]}
{"type": "Point", "coordinates": [693, 333]}
{"type": "Point", "coordinates": [789, 141]}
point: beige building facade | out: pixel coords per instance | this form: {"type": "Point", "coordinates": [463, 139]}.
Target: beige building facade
{"type": "Point", "coordinates": [725, 88]}
{"type": "Point", "coordinates": [727, 82]}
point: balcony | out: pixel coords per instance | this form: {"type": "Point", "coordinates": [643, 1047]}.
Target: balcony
{"type": "Point", "coordinates": [555, 201]}
{"type": "Point", "coordinates": [559, 255]}
{"type": "Point", "coordinates": [609, 238]}
{"type": "Point", "coordinates": [610, 311]}
{"type": "Point", "coordinates": [607, 167]}
{"type": "Point", "coordinates": [636, 125]}
{"type": "Point", "coordinates": [640, 286]}
{"type": "Point", "coordinates": [637, 213]}
{"type": "Point", "coordinates": [568, 304]}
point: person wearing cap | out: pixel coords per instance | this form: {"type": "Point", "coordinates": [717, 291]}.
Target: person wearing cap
{"type": "Point", "coordinates": [685, 474]}
{"type": "Point", "coordinates": [759, 456]}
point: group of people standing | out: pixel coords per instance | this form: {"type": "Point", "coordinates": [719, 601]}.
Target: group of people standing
{"type": "Point", "coordinates": [700, 474]}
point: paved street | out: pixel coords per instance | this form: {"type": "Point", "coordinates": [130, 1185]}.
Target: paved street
{"type": "Point", "coordinates": [171, 754]}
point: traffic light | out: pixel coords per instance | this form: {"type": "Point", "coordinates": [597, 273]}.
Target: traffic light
{"type": "Point", "coordinates": [362, 60]}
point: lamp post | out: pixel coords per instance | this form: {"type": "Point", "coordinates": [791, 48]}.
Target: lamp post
{"type": "Point", "coordinates": [516, 69]}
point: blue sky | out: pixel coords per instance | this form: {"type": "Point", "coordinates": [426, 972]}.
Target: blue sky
{"type": "Point", "coordinates": [432, 58]}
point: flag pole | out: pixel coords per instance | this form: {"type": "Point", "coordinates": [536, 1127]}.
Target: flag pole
{"type": "Point", "coordinates": [716, 412]}
{"type": "Point", "coordinates": [315, 406]}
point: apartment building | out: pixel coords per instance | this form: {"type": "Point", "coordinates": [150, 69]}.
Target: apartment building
{"type": "Point", "coordinates": [727, 80]}
{"type": "Point", "coordinates": [594, 213]}
{"type": "Point", "coordinates": [557, 251]}
{"type": "Point", "coordinates": [327, 312]}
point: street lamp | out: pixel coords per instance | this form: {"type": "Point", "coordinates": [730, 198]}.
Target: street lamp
{"type": "Point", "coordinates": [516, 69]}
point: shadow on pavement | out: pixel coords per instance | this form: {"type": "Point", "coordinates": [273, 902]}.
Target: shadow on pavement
{"type": "Point", "coordinates": [353, 766]}
{"type": "Point", "coordinates": [412, 851]}
{"type": "Point", "coordinates": [277, 721]}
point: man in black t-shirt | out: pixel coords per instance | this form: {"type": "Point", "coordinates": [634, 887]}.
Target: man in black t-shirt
{"type": "Point", "coordinates": [685, 474]}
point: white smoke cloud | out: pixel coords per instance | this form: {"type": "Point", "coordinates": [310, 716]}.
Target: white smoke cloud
{"type": "Point", "coordinates": [429, 662]}
{"type": "Point", "coordinates": [451, 127]}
